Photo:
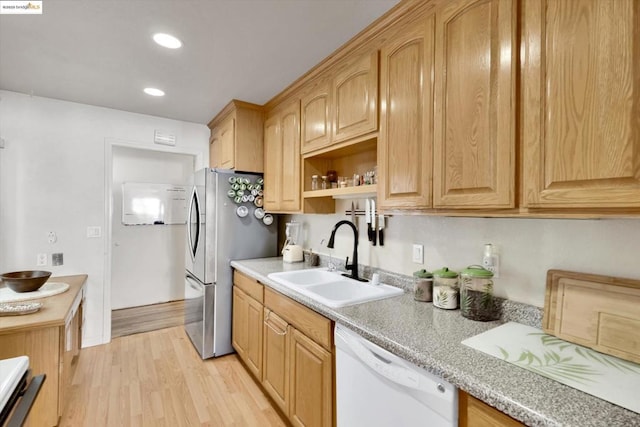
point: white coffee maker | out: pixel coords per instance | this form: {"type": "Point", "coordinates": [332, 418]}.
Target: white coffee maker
{"type": "Point", "coordinates": [291, 251]}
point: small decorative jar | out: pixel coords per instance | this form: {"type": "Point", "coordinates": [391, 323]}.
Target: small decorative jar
{"type": "Point", "coordinates": [422, 285]}
{"type": "Point", "coordinates": [314, 182]}
{"type": "Point", "coordinates": [445, 289]}
{"type": "Point", "coordinates": [323, 185]}
{"type": "Point", "coordinates": [332, 176]}
{"type": "Point", "coordinates": [476, 294]}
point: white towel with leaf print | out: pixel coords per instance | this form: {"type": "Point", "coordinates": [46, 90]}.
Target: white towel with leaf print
{"type": "Point", "coordinates": [607, 377]}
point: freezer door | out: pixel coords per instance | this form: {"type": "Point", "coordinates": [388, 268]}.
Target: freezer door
{"type": "Point", "coordinates": [199, 300]}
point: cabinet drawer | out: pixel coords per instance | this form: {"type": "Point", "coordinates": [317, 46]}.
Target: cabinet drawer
{"type": "Point", "coordinates": [250, 286]}
{"type": "Point", "coordinates": [312, 324]}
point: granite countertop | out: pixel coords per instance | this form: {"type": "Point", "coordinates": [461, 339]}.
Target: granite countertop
{"type": "Point", "coordinates": [431, 338]}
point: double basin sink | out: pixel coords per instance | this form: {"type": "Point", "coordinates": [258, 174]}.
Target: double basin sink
{"type": "Point", "coordinates": [331, 288]}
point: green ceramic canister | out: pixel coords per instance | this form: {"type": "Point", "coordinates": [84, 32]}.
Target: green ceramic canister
{"type": "Point", "coordinates": [422, 285]}
{"type": "Point", "coordinates": [476, 294]}
{"type": "Point", "coordinates": [445, 289]}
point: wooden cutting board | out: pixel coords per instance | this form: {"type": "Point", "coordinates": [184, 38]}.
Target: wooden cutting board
{"type": "Point", "coordinates": [599, 312]}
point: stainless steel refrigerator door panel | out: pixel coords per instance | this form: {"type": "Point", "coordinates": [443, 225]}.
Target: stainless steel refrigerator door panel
{"type": "Point", "coordinates": [223, 236]}
{"type": "Point", "coordinates": [198, 309]}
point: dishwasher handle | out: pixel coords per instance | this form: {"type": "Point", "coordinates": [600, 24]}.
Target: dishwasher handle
{"type": "Point", "coordinates": [380, 363]}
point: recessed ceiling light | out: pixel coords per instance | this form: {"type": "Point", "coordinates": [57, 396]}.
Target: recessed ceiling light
{"type": "Point", "coordinates": [167, 40]}
{"type": "Point", "coordinates": [153, 91]}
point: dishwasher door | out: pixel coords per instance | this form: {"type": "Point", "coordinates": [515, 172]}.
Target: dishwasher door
{"type": "Point", "coordinates": [375, 388]}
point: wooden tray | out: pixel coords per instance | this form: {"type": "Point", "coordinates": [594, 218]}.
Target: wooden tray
{"type": "Point", "coordinates": [599, 312]}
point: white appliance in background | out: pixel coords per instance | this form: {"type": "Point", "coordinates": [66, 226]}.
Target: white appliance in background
{"type": "Point", "coordinates": [216, 235]}
{"type": "Point", "coordinates": [376, 388]}
{"type": "Point", "coordinates": [291, 251]}
{"type": "Point", "coordinates": [18, 390]}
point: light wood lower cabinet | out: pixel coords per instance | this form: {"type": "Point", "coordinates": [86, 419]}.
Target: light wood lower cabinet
{"type": "Point", "coordinates": [475, 413]}
{"type": "Point", "coordinates": [52, 351]}
{"type": "Point", "coordinates": [289, 349]}
{"type": "Point", "coordinates": [276, 359]}
{"type": "Point", "coordinates": [247, 330]}
{"type": "Point", "coordinates": [311, 382]}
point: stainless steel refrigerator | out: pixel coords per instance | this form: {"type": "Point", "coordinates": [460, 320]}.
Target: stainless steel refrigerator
{"type": "Point", "coordinates": [220, 230]}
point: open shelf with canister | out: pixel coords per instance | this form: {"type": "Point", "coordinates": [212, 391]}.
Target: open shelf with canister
{"type": "Point", "coordinates": [355, 157]}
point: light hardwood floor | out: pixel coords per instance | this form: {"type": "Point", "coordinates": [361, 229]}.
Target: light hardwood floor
{"type": "Point", "coordinates": [128, 321]}
{"type": "Point", "coordinates": [158, 379]}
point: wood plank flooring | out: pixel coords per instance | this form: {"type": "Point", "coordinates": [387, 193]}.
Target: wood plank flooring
{"type": "Point", "coordinates": [128, 321]}
{"type": "Point", "coordinates": [158, 379]}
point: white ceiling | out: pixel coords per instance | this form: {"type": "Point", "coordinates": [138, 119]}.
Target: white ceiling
{"type": "Point", "coordinates": [100, 52]}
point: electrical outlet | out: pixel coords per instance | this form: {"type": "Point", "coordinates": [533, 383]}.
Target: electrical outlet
{"type": "Point", "coordinates": [42, 260]}
{"type": "Point", "coordinates": [418, 254]}
{"type": "Point", "coordinates": [94, 231]}
{"type": "Point", "coordinates": [56, 259]}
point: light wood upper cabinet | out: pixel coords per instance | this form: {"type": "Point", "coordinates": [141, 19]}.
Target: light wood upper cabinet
{"type": "Point", "coordinates": [342, 104]}
{"type": "Point", "coordinates": [282, 159]}
{"type": "Point", "coordinates": [355, 98]}
{"type": "Point", "coordinates": [227, 140]}
{"type": "Point", "coordinates": [406, 117]}
{"type": "Point", "coordinates": [315, 130]}
{"type": "Point", "coordinates": [311, 382]}
{"type": "Point", "coordinates": [237, 138]}
{"type": "Point", "coordinates": [474, 145]}
{"type": "Point", "coordinates": [581, 106]}
{"type": "Point", "coordinates": [272, 163]}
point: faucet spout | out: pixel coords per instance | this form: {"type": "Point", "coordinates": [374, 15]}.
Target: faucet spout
{"type": "Point", "coordinates": [353, 267]}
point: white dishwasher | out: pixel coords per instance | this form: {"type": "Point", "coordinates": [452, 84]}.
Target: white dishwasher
{"type": "Point", "coordinates": [375, 388]}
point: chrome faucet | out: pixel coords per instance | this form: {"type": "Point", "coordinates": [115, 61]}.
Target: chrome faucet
{"type": "Point", "coordinates": [353, 267]}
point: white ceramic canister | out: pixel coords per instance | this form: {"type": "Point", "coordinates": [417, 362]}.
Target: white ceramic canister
{"type": "Point", "coordinates": [445, 289]}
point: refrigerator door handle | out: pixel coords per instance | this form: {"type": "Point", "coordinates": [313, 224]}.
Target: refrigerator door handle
{"type": "Point", "coordinates": [194, 203]}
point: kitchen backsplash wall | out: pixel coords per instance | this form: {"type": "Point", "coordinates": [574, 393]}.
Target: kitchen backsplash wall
{"type": "Point", "coordinates": [527, 248]}
{"type": "Point", "coordinates": [52, 178]}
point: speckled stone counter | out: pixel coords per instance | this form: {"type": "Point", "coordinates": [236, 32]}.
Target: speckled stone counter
{"type": "Point", "coordinates": [431, 338]}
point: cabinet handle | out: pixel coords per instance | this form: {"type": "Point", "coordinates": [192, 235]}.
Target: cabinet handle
{"type": "Point", "coordinates": [274, 329]}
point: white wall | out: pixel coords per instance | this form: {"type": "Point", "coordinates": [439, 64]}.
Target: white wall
{"type": "Point", "coordinates": [147, 261]}
{"type": "Point", "coordinates": [527, 247]}
{"type": "Point", "coordinates": [52, 178]}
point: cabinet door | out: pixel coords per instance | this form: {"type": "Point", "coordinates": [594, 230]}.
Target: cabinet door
{"type": "Point", "coordinates": [315, 130]}
{"type": "Point", "coordinates": [254, 337]}
{"type": "Point", "coordinates": [272, 164]}
{"type": "Point", "coordinates": [474, 146]}
{"type": "Point", "coordinates": [475, 413]}
{"type": "Point", "coordinates": [239, 333]}
{"type": "Point", "coordinates": [227, 143]}
{"type": "Point", "coordinates": [355, 98]}
{"type": "Point", "coordinates": [581, 85]}
{"type": "Point", "coordinates": [311, 383]}
{"type": "Point", "coordinates": [290, 151]}
{"type": "Point", "coordinates": [214, 149]}
{"type": "Point", "coordinates": [405, 139]}
{"type": "Point", "coordinates": [275, 374]}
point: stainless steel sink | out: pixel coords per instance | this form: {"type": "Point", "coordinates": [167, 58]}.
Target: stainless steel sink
{"type": "Point", "coordinates": [331, 288]}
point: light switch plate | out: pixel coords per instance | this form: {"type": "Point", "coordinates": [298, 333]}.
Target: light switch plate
{"type": "Point", "coordinates": [94, 231]}
{"type": "Point", "coordinates": [418, 254]}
